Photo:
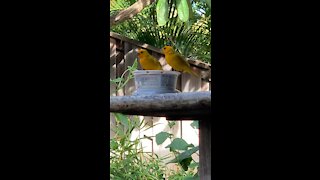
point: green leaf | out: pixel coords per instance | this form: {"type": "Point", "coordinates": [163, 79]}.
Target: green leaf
{"type": "Point", "coordinates": [195, 124]}
{"type": "Point", "coordinates": [183, 10]}
{"type": "Point", "coordinates": [134, 66]}
{"type": "Point", "coordinates": [184, 155]}
{"type": "Point", "coordinates": [190, 145]}
{"type": "Point", "coordinates": [162, 10]}
{"type": "Point", "coordinates": [171, 124]}
{"type": "Point", "coordinates": [191, 16]}
{"type": "Point", "coordinates": [185, 163]}
{"type": "Point", "coordinates": [124, 120]}
{"type": "Point", "coordinates": [208, 3]}
{"type": "Point", "coordinates": [191, 178]}
{"type": "Point", "coordinates": [161, 137]}
{"type": "Point", "coordinates": [113, 144]}
{"type": "Point", "coordinates": [117, 80]}
{"type": "Point", "coordinates": [193, 165]}
{"type": "Point", "coordinates": [178, 144]}
{"type": "Point", "coordinates": [122, 141]}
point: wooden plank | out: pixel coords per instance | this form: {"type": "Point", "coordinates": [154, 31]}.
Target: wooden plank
{"type": "Point", "coordinates": [205, 86]}
{"type": "Point", "coordinates": [185, 80]}
{"type": "Point", "coordinates": [166, 66]}
{"type": "Point", "coordinates": [190, 83]}
{"type": "Point", "coordinates": [139, 65]}
{"type": "Point", "coordinates": [120, 65]}
{"type": "Point", "coordinates": [155, 49]}
{"type": "Point", "coordinates": [199, 64]}
{"type": "Point", "coordinates": [195, 63]}
{"type": "Point", "coordinates": [195, 83]}
{"type": "Point", "coordinates": [112, 125]}
{"type": "Point", "coordinates": [164, 105]}
{"type": "Point", "coordinates": [136, 43]}
{"type": "Point", "coordinates": [205, 149]}
{"type": "Point", "coordinates": [179, 83]}
{"type": "Point", "coordinates": [112, 76]}
{"type": "Point", "coordinates": [206, 75]}
{"type": "Point", "coordinates": [119, 44]}
{"type": "Point", "coordinates": [130, 55]}
{"type": "Point", "coordinates": [112, 66]}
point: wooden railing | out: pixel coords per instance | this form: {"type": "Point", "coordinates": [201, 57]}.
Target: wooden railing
{"type": "Point", "coordinates": [123, 53]}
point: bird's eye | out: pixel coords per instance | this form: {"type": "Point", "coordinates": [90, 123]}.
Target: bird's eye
{"type": "Point", "coordinates": [141, 52]}
{"type": "Point", "coordinates": [164, 48]}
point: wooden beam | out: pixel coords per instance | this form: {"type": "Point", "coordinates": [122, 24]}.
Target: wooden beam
{"type": "Point", "coordinates": [137, 43]}
{"type": "Point", "coordinates": [175, 106]}
{"type": "Point", "coordinates": [205, 68]}
{"type": "Point", "coordinates": [196, 63]}
{"type": "Point", "coordinates": [205, 149]}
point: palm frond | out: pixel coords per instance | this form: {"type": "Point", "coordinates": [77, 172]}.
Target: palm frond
{"type": "Point", "coordinates": [191, 39]}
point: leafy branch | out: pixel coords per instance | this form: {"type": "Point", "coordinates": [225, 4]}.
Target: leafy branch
{"type": "Point", "coordinates": [122, 80]}
{"type": "Point", "coordinates": [182, 152]}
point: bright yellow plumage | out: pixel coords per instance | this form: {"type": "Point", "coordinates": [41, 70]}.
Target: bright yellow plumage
{"type": "Point", "coordinates": [147, 61]}
{"type": "Point", "coordinates": [177, 61]}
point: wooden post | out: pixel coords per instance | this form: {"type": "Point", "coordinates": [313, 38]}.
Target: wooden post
{"type": "Point", "coordinates": [174, 106]}
{"type": "Point", "coordinates": [205, 149]}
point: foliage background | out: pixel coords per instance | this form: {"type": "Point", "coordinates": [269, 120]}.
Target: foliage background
{"type": "Point", "coordinates": [192, 39]}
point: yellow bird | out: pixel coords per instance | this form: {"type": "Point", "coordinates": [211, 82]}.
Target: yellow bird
{"type": "Point", "coordinates": [177, 61]}
{"type": "Point", "coordinates": [147, 61]}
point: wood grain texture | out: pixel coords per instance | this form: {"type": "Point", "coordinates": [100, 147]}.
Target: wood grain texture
{"type": "Point", "coordinates": [113, 66]}
{"type": "Point", "coordinates": [130, 55]}
{"type": "Point", "coordinates": [205, 149]}
{"type": "Point", "coordinates": [201, 67]}
{"type": "Point", "coordinates": [174, 105]}
{"type": "Point", "coordinates": [120, 64]}
{"type": "Point", "coordinates": [189, 105]}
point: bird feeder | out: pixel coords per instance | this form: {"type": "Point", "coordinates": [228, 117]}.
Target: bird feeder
{"type": "Point", "coordinates": [149, 82]}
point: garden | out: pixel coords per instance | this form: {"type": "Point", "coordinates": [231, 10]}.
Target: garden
{"type": "Point", "coordinates": [150, 146]}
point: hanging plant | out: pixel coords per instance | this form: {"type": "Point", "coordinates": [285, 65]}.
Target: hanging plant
{"type": "Point", "coordinates": [162, 10]}
{"type": "Point", "coordinates": [183, 8]}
